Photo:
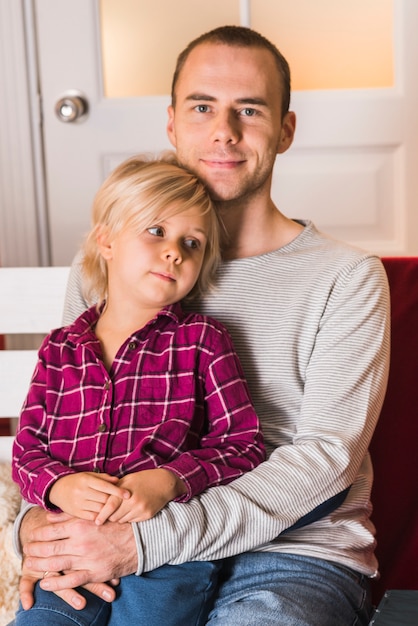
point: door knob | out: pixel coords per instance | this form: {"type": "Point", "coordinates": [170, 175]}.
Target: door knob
{"type": "Point", "coordinates": [71, 107]}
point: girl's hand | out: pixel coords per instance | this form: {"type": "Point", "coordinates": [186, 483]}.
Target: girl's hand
{"type": "Point", "coordinates": [150, 491]}
{"type": "Point", "coordinates": [83, 494]}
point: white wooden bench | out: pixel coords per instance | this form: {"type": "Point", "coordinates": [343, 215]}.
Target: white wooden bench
{"type": "Point", "coordinates": [31, 304]}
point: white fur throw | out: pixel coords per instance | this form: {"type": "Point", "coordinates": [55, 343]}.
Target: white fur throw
{"type": "Point", "coordinates": [9, 562]}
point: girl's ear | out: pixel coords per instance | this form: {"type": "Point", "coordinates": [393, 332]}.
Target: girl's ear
{"type": "Point", "coordinates": [103, 242]}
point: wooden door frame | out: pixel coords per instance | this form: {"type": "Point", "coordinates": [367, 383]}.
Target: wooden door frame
{"type": "Point", "coordinates": [23, 214]}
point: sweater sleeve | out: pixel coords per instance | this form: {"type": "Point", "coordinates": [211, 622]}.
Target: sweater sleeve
{"type": "Point", "coordinates": [233, 443]}
{"type": "Point", "coordinates": [343, 391]}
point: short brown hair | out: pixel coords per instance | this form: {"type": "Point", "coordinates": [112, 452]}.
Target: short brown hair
{"type": "Point", "coordinates": [240, 37]}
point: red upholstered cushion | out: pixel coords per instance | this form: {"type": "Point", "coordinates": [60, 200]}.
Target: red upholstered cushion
{"type": "Point", "coordinates": [395, 443]}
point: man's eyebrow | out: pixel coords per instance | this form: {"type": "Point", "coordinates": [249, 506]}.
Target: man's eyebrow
{"type": "Point", "coordinates": [257, 101]}
{"type": "Point", "coordinates": [202, 97]}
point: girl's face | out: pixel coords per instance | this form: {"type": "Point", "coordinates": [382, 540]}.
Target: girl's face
{"type": "Point", "coordinates": [160, 265]}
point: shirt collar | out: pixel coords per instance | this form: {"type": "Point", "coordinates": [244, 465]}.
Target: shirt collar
{"type": "Point", "coordinates": [83, 326]}
{"type": "Point", "coordinates": [175, 311]}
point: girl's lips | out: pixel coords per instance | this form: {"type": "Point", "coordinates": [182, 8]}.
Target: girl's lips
{"type": "Point", "coordinates": [164, 276]}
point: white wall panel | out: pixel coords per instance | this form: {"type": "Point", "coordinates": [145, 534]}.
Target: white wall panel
{"type": "Point", "coordinates": [352, 193]}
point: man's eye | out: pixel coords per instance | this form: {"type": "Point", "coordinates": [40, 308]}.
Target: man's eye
{"type": "Point", "coordinates": [194, 244]}
{"type": "Point", "coordinates": [248, 112]}
{"type": "Point", "coordinates": [202, 108]}
{"type": "Point", "coordinates": [157, 231]}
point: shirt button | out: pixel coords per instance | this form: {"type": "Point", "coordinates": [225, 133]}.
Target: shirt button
{"type": "Point", "coordinates": [96, 470]}
{"type": "Point", "coordinates": [107, 385]}
{"type": "Point", "coordinates": [132, 345]}
{"type": "Point", "coordinates": [101, 428]}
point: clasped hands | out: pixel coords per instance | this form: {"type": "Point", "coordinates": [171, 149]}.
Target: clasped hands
{"type": "Point", "coordinates": [99, 497]}
{"type": "Point", "coordinates": [95, 542]}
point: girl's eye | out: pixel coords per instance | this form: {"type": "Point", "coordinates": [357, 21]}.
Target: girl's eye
{"type": "Point", "coordinates": [157, 231]}
{"type": "Point", "coordinates": [193, 244]}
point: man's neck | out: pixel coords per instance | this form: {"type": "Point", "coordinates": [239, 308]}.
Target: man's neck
{"type": "Point", "coordinates": [251, 231]}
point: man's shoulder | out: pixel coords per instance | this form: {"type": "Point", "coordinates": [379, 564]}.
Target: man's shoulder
{"type": "Point", "coordinates": [318, 249]}
{"type": "Point", "coordinates": [312, 238]}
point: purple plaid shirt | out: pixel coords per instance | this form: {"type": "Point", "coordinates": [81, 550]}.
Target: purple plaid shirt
{"type": "Point", "coordinates": [175, 397]}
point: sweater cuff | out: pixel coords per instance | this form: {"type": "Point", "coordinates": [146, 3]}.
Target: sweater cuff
{"type": "Point", "coordinates": [24, 508]}
{"type": "Point", "coordinates": [139, 549]}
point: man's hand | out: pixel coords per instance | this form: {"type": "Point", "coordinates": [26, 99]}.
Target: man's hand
{"type": "Point", "coordinates": [84, 552]}
{"type": "Point", "coordinates": [36, 517]}
{"type": "Point", "coordinates": [70, 596]}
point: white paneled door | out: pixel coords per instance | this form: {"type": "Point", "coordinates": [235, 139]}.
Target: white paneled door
{"type": "Point", "coordinates": [353, 168]}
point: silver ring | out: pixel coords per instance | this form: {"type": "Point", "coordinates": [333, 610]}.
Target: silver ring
{"type": "Point", "coordinates": [45, 574]}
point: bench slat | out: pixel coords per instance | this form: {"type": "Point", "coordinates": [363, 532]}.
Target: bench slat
{"type": "Point", "coordinates": [32, 298]}
{"type": "Point", "coordinates": [16, 367]}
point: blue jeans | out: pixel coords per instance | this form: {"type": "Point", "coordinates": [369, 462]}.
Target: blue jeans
{"type": "Point", "coordinates": [260, 588]}
{"type": "Point", "coordinates": [172, 595]}
{"type": "Point", "coordinates": [255, 589]}
{"type": "Point", "coordinates": [167, 596]}
{"type": "Point", "coordinates": [51, 610]}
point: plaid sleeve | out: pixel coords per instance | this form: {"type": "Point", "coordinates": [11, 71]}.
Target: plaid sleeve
{"type": "Point", "coordinates": [33, 469]}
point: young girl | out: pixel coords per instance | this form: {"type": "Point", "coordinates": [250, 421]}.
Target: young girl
{"type": "Point", "coordinates": [137, 403]}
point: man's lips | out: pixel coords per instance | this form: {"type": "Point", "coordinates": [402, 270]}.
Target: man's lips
{"type": "Point", "coordinates": [217, 163]}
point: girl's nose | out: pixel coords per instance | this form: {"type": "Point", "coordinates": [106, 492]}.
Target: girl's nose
{"type": "Point", "coordinates": [173, 253]}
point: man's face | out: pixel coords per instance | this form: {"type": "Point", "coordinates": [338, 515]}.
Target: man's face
{"type": "Point", "coordinates": [226, 125]}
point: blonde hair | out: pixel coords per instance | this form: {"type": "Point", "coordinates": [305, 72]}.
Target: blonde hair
{"type": "Point", "coordinates": [134, 196]}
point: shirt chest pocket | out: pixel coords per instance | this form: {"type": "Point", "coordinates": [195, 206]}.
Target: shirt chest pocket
{"type": "Point", "coordinates": [168, 397]}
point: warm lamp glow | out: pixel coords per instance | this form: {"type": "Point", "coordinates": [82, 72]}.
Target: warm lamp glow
{"type": "Point", "coordinates": [141, 40]}
{"type": "Point", "coordinates": [330, 44]}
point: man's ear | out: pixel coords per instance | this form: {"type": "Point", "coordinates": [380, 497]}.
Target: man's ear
{"type": "Point", "coordinates": [287, 132]}
{"type": "Point", "coordinates": [104, 243]}
{"type": "Point", "coordinates": [170, 126]}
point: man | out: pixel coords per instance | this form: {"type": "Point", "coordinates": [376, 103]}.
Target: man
{"type": "Point", "coordinates": [309, 317]}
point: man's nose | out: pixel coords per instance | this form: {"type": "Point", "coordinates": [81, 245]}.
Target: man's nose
{"type": "Point", "coordinates": [226, 128]}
